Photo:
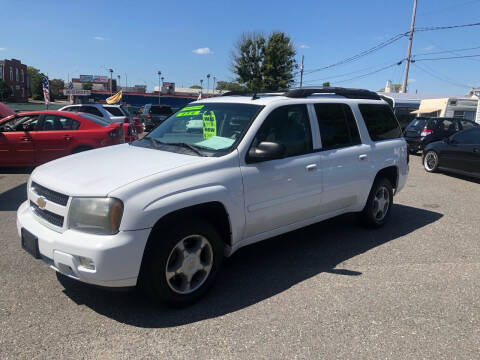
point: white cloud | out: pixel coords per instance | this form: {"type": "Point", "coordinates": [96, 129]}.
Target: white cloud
{"type": "Point", "coordinates": [429, 48]}
{"type": "Point", "coordinates": [303, 46]}
{"type": "Point", "coordinates": [1, 49]}
{"type": "Point", "coordinates": [203, 51]}
{"type": "Point", "coordinates": [100, 38]}
{"type": "Point", "coordinates": [412, 80]}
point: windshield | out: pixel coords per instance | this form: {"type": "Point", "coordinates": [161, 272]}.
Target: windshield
{"type": "Point", "coordinates": [212, 128]}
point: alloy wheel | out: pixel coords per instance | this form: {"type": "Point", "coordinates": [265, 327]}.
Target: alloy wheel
{"type": "Point", "coordinates": [381, 203]}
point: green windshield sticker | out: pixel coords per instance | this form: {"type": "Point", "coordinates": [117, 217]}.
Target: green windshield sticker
{"type": "Point", "coordinates": [194, 107]}
{"type": "Point", "coordinates": [188, 113]}
{"type": "Point", "coordinates": [209, 124]}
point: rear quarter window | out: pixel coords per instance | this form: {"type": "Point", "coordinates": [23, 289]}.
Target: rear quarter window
{"type": "Point", "coordinates": [114, 110]}
{"type": "Point", "coordinates": [380, 121]}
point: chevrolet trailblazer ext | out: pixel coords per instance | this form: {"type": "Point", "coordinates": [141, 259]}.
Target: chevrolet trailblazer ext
{"type": "Point", "coordinates": [262, 165]}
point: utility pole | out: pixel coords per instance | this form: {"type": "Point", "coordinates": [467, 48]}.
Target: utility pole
{"type": "Point", "coordinates": [159, 85]}
{"type": "Point", "coordinates": [409, 51]}
{"type": "Point", "coordinates": [111, 83]}
{"type": "Point", "coordinates": [301, 72]}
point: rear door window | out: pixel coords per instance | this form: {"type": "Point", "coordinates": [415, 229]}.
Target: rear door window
{"type": "Point", "coordinates": [59, 123]}
{"type": "Point", "coordinates": [114, 110]}
{"type": "Point", "coordinates": [380, 121]}
{"type": "Point", "coordinates": [337, 126]}
{"type": "Point", "coordinates": [468, 137]}
{"type": "Point", "coordinates": [467, 124]}
{"type": "Point", "coordinates": [90, 110]}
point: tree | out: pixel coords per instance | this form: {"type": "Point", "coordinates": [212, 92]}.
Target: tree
{"type": "Point", "coordinates": [5, 90]}
{"type": "Point", "coordinates": [195, 87]}
{"type": "Point", "coordinates": [56, 89]}
{"type": "Point", "coordinates": [87, 86]}
{"type": "Point", "coordinates": [264, 64]}
{"type": "Point", "coordinates": [36, 82]}
{"type": "Point", "coordinates": [230, 86]}
{"type": "Point", "coordinates": [278, 62]}
{"type": "Point", "coordinates": [326, 84]}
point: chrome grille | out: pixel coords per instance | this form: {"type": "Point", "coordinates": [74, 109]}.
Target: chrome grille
{"type": "Point", "coordinates": [51, 195]}
{"type": "Point", "coordinates": [49, 216]}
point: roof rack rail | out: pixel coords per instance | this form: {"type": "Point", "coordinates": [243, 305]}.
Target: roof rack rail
{"type": "Point", "coordinates": [255, 94]}
{"type": "Point", "coordinates": [346, 92]}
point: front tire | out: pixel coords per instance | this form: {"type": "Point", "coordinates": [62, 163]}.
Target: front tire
{"type": "Point", "coordinates": [182, 264]}
{"type": "Point", "coordinates": [378, 207]}
{"type": "Point", "coordinates": [430, 161]}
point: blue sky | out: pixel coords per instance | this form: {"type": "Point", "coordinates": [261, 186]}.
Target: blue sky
{"type": "Point", "coordinates": [138, 38]}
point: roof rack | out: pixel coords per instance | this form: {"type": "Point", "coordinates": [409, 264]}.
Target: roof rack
{"type": "Point", "coordinates": [346, 92]}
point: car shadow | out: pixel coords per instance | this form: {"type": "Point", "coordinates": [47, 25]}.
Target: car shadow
{"type": "Point", "coordinates": [259, 271]}
{"type": "Point", "coordinates": [16, 170]}
{"type": "Point", "coordinates": [11, 199]}
{"type": "Point", "coordinates": [461, 177]}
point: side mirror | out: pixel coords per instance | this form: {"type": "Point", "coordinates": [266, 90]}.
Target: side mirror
{"type": "Point", "coordinates": [266, 151]}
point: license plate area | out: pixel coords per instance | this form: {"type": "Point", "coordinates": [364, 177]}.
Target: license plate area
{"type": "Point", "coordinates": [30, 243]}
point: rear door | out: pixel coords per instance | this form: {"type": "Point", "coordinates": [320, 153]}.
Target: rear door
{"type": "Point", "coordinates": [344, 159]}
{"type": "Point", "coordinates": [56, 137]}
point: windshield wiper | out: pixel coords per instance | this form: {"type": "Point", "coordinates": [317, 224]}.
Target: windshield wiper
{"type": "Point", "coordinates": [154, 141]}
{"type": "Point", "coordinates": [188, 146]}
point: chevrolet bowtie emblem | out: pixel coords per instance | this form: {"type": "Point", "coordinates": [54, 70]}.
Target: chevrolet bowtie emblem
{"type": "Point", "coordinates": [41, 202]}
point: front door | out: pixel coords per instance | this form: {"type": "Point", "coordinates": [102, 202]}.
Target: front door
{"type": "Point", "coordinates": [17, 147]}
{"type": "Point", "coordinates": [284, 191]}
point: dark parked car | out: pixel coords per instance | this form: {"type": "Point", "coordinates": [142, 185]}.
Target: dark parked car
{"type": "Point", "coordinates": [422, 131]}
{"type": "Point", "coordinates": [154, 115]}
{"type": "Point", "coordinates": [459, 153]}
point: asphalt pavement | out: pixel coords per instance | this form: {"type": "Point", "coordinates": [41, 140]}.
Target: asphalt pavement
{"type": "Point", "coordinates": [410, 290]}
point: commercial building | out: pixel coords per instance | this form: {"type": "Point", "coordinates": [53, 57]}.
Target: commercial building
{"type": "Point", "coordinates": [457, 107]}
{"type": "Point", "coordinates": [98, 82]}
{"type": "Point", "coordinates": [14, 74]}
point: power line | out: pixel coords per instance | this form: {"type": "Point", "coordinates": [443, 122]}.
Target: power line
{"type": "Point", "coordinates": [443, 78]}
{"type": "Point", "coordinates": [361, 54]}
{"type": "Point", "coordinates": [447, 58]}
{"type": "Point", "coordinates": [446, 51]}
{"type": "Point", "coordinates": [434, 28]}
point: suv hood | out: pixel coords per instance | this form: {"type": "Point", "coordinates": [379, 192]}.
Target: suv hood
{"type": "Point", "coordinates": [99, 172]}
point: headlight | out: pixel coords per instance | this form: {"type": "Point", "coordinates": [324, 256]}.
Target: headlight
{"type": "Point", "coordinates": [100, 216]}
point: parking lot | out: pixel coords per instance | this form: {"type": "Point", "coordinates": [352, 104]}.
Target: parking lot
{"type": "Point", "coordinates": [410, 290]}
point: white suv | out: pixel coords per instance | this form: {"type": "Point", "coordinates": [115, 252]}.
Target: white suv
{"type": "Point", "coordinates": [163, 211]}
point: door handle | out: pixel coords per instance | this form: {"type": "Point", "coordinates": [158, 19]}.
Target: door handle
{"type": "Point", "coordinates": [25, 139]}
{"type": "Point", "coordinates": [311, 167]}
{"type": "Point", "coordinates": [67, 137]}
{"type": "Point", "coordinates": [476, 150]}
{"type": "Point", "coordinates": [362, 157]}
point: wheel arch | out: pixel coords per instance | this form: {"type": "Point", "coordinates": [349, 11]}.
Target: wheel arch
{"type": "Point", "coordinates": [391, 173]}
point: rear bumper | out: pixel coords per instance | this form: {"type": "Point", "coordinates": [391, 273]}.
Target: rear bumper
{"type": "Point", "coordinates": [117, 258]}
{"type": "Point", "coordinates": [414, 144]}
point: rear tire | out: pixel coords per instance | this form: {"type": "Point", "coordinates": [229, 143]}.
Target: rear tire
{"type": "Point", "coordinates": [430, 161]}
{"type": "Point", "coordinates": [378, 207]}
{"type": "Point", "coordinates": [182, 263]}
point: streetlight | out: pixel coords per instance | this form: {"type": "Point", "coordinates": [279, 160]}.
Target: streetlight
{"type": "Point", "coordinates": [159, 87]}
{"type": "Point", "coordinates": [214, 80]}
{"type": "Point", "coordinates": [118, 82]}
{"type": "Point", "coordinates": [111, 73]}
{"type": "Point", "coordinates": [208, 82]}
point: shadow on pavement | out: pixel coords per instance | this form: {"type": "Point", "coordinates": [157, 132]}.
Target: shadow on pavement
{"type": "Point", "coordinates": [11, 199]}
{"type": "Point", "coordinates": [259, 271]}
{"type": "Point", "coordinates": [16, 170]}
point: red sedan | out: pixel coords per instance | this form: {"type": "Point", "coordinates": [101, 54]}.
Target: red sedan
{"type": "Point", "coordinates": [35, 137]}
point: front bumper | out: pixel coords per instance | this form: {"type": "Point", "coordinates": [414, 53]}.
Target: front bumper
{"type": "Point", "coordinates": [117, 258]}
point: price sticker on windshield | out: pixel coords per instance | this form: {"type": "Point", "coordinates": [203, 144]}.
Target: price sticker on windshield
{"type": "Point", "coordinates": [190, 110]}
{"type": "Point", "coordinates": [209, 124]}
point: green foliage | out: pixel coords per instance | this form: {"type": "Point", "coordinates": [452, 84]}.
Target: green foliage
{"type": "Point", "coordinates": [230, 86]}
{"type": "Point", "coordinates": [87, 86]}
{"type": "Point", "coordinates": [264, 64]}
{"type": "Point", "coordinates": [5, 90]}
{"type": "Point", "coordinates": [195, 87]}
{"type": "Point", "coordinates": [326, 84]}
{"type": "Point", "coordinates": [36, 81]}
{"type": "Point", "coordinates": [56, 89]}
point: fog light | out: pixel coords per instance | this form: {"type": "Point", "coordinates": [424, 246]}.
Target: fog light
{"type": "Point", "coordinates": [86, 263]}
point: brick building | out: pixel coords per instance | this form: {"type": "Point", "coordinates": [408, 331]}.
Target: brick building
{"type": "Point", "coordinates": [14, 73]}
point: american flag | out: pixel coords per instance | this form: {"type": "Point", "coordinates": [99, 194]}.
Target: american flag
{"type": "Point", "coordinates": [70, 86]}
{"type": "Point", "coordinates": [46, 90]}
